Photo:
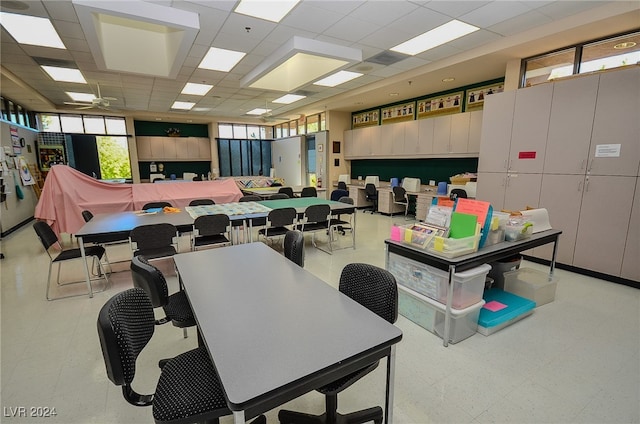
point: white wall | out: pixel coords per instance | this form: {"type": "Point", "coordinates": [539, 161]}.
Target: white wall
{"type": "Point", "coordinates": [286, 154]}
{"type": "Point", "coordinates": [16, 211]}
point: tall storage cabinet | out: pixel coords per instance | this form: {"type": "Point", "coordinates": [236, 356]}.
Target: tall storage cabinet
{"type": "Point", "coordinates": [588, 129]}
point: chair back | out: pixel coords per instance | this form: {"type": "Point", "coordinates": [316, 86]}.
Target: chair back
{"type": "Point", "coordinates": [149, 278]}
{"type": "Point", "coordinates": [250, 198]}
{"type": "Point", "coordinates": [342, 185]}
{"type": "Point", "coordinates": [458, 192]}
{"type": "Point", "coordinates": [309, 192]}
{"type": "Point", "coordinates": [399, 194]}
{"type": "Point", "coordinates": [154, 205]}
{"type": "Point", "coordinates": [87, 216]}
{"type": "Point", "coordinates": [370, 190]}
{"type": "Point", "coordinates": [209, 225]}
{"type": "Point", "coordinates": [153, 236]}
{"type": "Point", "coordinates": [279, 196]}
{"type": "Point", "coordinates": [125, 326]}
{"type": "Point", "coordinates": [286, 190]}
{"type": "Point", "coordinates": [372, 287]}
{"type": "Point", "coordinates": [200, 202]}
{"type": "Point", "coordinates": [45, 234]}
{"type": "Point", "coordinates": [337, 194]}
{"type": "Point", "coordinates": [294, 247]}
{"type": "Point", "coordinates": [346, 199]}
{"type": "Point", "coordinates": [317, 213]}
{"type": "Point", "coordinates": [276, 184]}
{"type": "Point", "coordinates": [282, 217]}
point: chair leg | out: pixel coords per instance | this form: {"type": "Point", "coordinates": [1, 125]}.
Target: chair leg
{"type": "Point", "coordinates": [49, 279]}
{"type": "Point", "coordinates": [184, 333]}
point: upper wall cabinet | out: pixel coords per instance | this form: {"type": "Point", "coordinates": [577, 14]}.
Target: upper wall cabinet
{"type": "Point", "coordinates": [173, 148]}
{"type": "Point", "coordinates": [497, 121]}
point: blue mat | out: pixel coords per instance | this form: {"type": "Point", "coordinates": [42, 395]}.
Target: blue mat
{"type": "Point", "coordinates": [508, 308]}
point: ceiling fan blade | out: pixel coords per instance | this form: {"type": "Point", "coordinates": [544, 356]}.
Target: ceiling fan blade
{"type": "Point", "coordinates": [109, 98]}
{"type": "Point", "coordinates": [77, 104]}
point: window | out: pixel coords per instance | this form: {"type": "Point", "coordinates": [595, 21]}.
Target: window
{"type": "Point", "coordinates": [94, 124]}
{"type": "Point", "coordinates": [612, 53]}
{"type": "Point", "coordinates": [225, 130]}
{"type": "Point", "coordinates": [72, 124]}
{"type": "Point", "coordinates": [550, 66]}
{"type": "Point", "coordinates": [50, 123]}
{"type": "Point", "coordinates": [115, 126]}
{"type": "Point", "coordinates": [113, 154]}
{"type": "Point", "coordinates": [313, 122]}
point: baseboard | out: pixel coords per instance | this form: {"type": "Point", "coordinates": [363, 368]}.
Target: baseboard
{"type": "Point", "coordinates": [17, 227]}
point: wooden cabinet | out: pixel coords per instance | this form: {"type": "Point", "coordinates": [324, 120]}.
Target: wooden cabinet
{"type": "Point", "coordinates": [173, 148]}
{"type": "Point", "coordinates": [497, 120]}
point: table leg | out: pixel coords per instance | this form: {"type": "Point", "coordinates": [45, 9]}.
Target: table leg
{"type": "Point", "coordinates": [86, 267]}
{"type": "Point", "coordinates": [238, 417]}
{"type": "Point", "coordinates": [447, 311]}
{"type": "Point", "coordinates": [552, 265]}
{"type": "Point", "coordinates": [391, 374]}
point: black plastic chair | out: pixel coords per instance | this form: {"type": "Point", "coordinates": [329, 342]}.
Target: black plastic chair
{"type": "Point", "coordinates": [458, 193]}
{"type": "Point", "coordinates": [154, 241]}
{"type": "Point", "coordinates": [202, 202]}
{"type": "Point", "coordinates": [309, 192]}
{"type": "Point", "coordinates": [294, 247]}
{"type": "Point", "coordinates": [48, 238]}
{"type": "Point", "coordinates": [342, 226]}
{"type": "Point", "coordinates": [250, 198]}
{"type": "Point", "coordinates": [279, 196]}
{"type": "Point", "coordinates": [337, 194]}
{"type": "Point", "coordinates": [278, 222]}
{"type": "Point", "coordinates": [105, 239]}
{"type": "Point", "coordinates": [188, 389]}
{"type": "Point", "coordinates": [156, 205]}
{"type": "Point", "coordinates": [376, 289]}
{"type": "Point", "coordinates": [210, 230]}
{"type": "Point", "coordinates": [175, 306]}
{"type": "Point", "coordinates": [316, 218]}
{"type": "Point", "coordinates": [371, 193]}
{"type": "Point", "coordinates": [342, 185]}
{"type": "Point", "coordinates": [288, 191]}
{"type": "Point", "coordinates": [400, 198]}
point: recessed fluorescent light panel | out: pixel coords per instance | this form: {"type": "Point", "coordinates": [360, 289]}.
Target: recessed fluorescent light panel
{"type": "Point", "coordinates": [64, 74]}
{"type": "Point", "coordinates": [299, 62]}
{"type": "Point", "coordinates": [289, 98]}
{"type": "Point", "coordinates": [81, 97]}
{"type": "Point", "coordinates": [338, 78]}
{"type": "Point", "coordinates": [196, 89]}
{"type": "Point", "coordinates": [221, 59]}
{"type": "Point", "coordinates": [435, 37]}
{"type": "Point", "coordinates": [272, 11]}
{"type": "Point", "coordinates": [182, 105]}
{"type": "Point", "coordinates": [258, 111]}
{"type": "Point", "coordinates": [31, 30]}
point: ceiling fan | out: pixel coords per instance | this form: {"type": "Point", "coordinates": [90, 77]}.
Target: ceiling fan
{"type": "Point", "coordinates": [99, 102]}
{"type": "Point", "coordinates": [268, 115]}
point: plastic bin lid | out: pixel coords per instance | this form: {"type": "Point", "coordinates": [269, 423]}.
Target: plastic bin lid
{"type": "Point", "coordinates": [516, 306]}
{"type": "Point", "coordinates": [470, 273]}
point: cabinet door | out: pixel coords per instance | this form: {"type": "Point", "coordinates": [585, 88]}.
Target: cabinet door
{"type": "Point", "coordinates": [170, 149]}
{"type": "Point", "coordinates": [425, 136]}
{"type": "Point", "coordinates": [385, 142]}
{"type": "Point", "coordinates": [459, 140]}
{"type": "Point", "coordinates": [157, 147]}
{"type": "Point", "coordinates": [491, 187]}
{"type": "Point", "coordinates": [604, 222]}
{"type": "Point", "coordinates": [143, 146]}
{"type": "Point", "coordinates": [185, 148]}
{"type": "Point", "coordinates": [399, 136]}
{"type": "Point", "coordinates": [475, 131]}
{"type": "Point", "coordinates": [495, 139]}
{"type": "Point", "coordinates": [522, 190]}
{"type": "Point", "coordinates": [204, 148]}
{"type": "Point", "coordinates": [441, 134]}
{"type": "Point", "coordinates": [570, 125]}
{"type": "Point", "coordinates": [561, 195]}
{"type": "Point", "coordinates": [530, 128]}
{"type": "Point", "coordinates": [630, 262]}
{"type": "Point", "coordinates": [616, 122]}
{"type": "Point", "coordinates": [193, 148]}
{"type": "Point", "coordinates": [348, 143]}
{"type": "Point", "coordinates": [411, 137]}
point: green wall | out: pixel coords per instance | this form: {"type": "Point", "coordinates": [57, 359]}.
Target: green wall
{"type": "Point", "coordinates": [147, 128]}
{"type": "Point", "coordinates": [425, 169]}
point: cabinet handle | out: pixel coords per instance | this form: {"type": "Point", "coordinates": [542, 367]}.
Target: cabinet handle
{"type": "Point", "coordinates": [504, 164]}
{"type": "Point", "coordinates": [586, 186]}
{"type": "Point", "coordinates": [582, 164]}
{"type": "Point", "coordinates": [580, 186]}
{"type": "Point", "coordinates": [589, 165]}
{"type": "Point", "coordinates": [506, 179]}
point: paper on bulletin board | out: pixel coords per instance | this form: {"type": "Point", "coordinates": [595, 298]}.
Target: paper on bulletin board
{"type": "Point", "coordinates": [25, 174]}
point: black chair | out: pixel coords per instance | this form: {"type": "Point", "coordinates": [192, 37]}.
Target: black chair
{"type": "Point", "coordinates": [458, 193]}
{"type": "Point", "coordinates": [371, 193]}
{"type": "Point", "coordinates": [209, 230]}
{"type": "Point", "coordinates": [337, 194]}
{"type": "Point", "coordinates": [376, 289]}
{"type": "Point", "coordinates": [175, 306]}
{"type": "Point", "coordinates": [278, 221]}
{"type": "Point", "coordinates": [197, 178]}
{"type": "Point", "coordinates": [342, 226]}
{"type": "Point", "coordinates": [279, 196]}
{"type": "Point", "coordinates": [48, 238]}
{"type": "Point", "coordinates": [188, 389]}
{"type": "Point", "coordinates": [276, 184]}
{"type": "Point", "coordinates": [202, 202]}
{"type": "Point", "coordinates": [105, 239]}
{"type": "Point", "coordinates": [309, 192]}
{"type": "Point", "coordinates": [156, 205]}
{"type": "Point", "coordinates": [288, 191]}
{"type": "Point", "coordinates": [400, 197]}
{"type": "Point", "coordinates": [154, 241]}
{"type": "Point", "coordinates": [342, 185]}
{"type": "Point", "coordinates": [316, 218]}
{"type": "Point", "coordinates": [294, 247]}
{"type": "Point", "coordinates": [250, 198]}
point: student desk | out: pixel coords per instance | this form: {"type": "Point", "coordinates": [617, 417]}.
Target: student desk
{"type": "Point", "coordinates": [275, 331]}
{"type": "Point", "coordinates": [462, 263]}
{"type": "Point", "coordinates": [266, 192]}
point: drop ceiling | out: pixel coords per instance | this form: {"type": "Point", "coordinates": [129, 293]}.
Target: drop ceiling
{"type": "Point", "coordinates": [509, 30]}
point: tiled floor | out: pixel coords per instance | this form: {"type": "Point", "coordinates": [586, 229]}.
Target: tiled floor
{"type": "Point", "coordinates": [576, 360]}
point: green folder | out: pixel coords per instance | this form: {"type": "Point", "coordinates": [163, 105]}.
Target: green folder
{"type": "Point", "coordinates": [462, 225]}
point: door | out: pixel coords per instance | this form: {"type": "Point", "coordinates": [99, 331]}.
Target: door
{"type": "Point", "coordinates": [495, 139]}
{"type": "Point", "coordinates": [491, 188]}
{"type": "Point", "coordinates": [85, 154]}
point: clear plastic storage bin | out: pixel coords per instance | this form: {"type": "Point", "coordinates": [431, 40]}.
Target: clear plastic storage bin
{"type": "Point", "coordinates": [531, 284]}
{"type": "Point", "coordinates": [451, 248]}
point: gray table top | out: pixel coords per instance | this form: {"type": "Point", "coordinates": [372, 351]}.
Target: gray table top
{"type": "Point", "coordinates": [272, 328]}
{"type": "Point", "coordinates": [124, 222]}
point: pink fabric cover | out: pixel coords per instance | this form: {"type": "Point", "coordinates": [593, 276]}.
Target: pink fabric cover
{"type": "Point", "coordinates": [67, 192]}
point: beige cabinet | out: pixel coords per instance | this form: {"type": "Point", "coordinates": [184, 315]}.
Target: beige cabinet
{"type": "Point", "coordinates": [425, 136]}
{"type": "Point", "coordinates": [348, 143]}
{"type": "Point", "coordinates": [630, 262]}
{"type": "Point", "coordinates": [411, 137]}
{"type": "Point", "coordinates": [423, 201]}
{"type": "Point", "coordinates": [385, 202]}
{"type": "Point", "coordinates": [173, 148]}
{"type": "Point", "coordinates": [459, 139]}
{"type": "Point", "coordinates": [475, 131]}
{"type": "Point", "coordinates": [497, 120]}
{"type": "Point", "coordinates": [441, 134]}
